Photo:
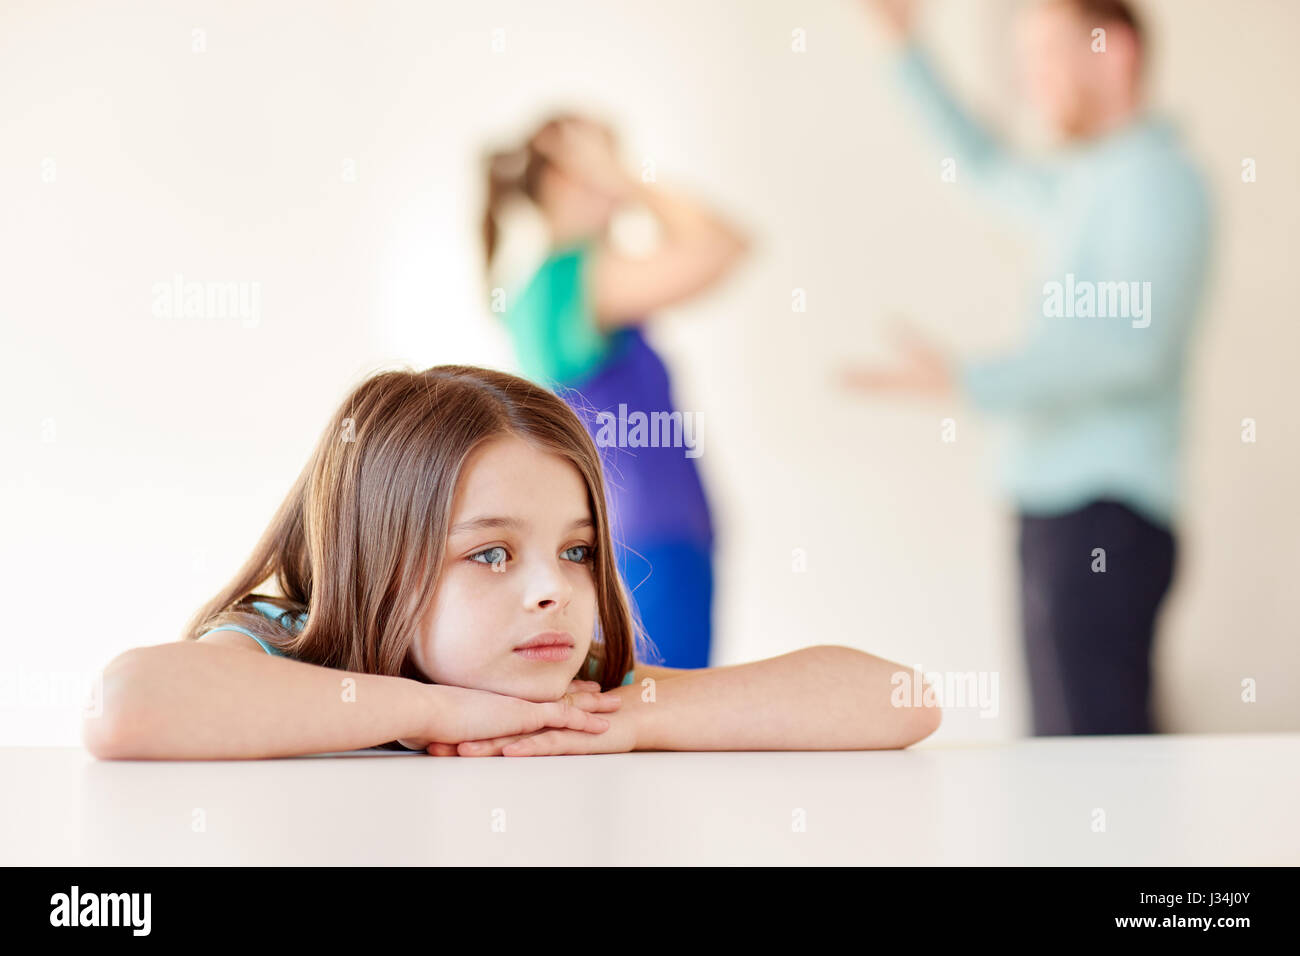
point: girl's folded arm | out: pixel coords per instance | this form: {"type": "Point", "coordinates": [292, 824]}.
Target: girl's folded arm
{"type": "Point", "coordinates": [643, 671]}
{"type": "Point", "coordinates": [818, 698]}
{"type": "Point", "coordinates": [197, 700]}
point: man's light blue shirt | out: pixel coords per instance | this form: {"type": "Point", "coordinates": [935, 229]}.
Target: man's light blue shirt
{"type": "Point", "coordinates": [1094, 404]}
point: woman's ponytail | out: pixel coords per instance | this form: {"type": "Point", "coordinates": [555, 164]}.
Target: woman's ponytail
{"type": "Point", "coordinates": [505, 176]}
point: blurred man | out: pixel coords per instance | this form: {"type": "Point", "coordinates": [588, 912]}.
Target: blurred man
{"type": "Point", "coordinates": [1094, 399]}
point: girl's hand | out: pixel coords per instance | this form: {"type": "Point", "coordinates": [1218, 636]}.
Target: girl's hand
{"type": "Point", "coordinates": [460, 714]}
{"type": "Point", "coordinates": [619, 738]}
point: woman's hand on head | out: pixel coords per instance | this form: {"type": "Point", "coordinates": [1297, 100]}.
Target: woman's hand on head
{"type": "Point", "coordinates": [462, 714]}
{"type": "Point", "coordinates": [582, 151]}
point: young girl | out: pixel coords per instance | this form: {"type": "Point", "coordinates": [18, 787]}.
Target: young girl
{"type": "Point", "coordinates": [576, 327]}
{"type": "Point", "coordinates": [446, 584]}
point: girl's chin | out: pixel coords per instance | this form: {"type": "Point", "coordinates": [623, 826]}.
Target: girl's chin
{"type": "Point", "coordinates": [539, 689]}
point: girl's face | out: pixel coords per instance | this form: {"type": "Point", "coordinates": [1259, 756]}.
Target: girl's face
{"type": "Point", "coordinates": [518, 565]}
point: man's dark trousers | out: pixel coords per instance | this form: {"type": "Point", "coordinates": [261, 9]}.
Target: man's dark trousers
{"type": "Point", "coordinates": [1089, 632]}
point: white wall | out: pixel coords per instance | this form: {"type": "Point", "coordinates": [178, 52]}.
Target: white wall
{"type": "Point", "coordinates": [143, 456]}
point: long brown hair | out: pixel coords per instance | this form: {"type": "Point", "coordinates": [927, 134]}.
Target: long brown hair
{"type": "Point", "coordinates": [359, 541]}
{"type": "Point", "coordinates": [518, 172]}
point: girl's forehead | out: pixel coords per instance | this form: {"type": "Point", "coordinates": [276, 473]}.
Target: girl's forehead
{"type": "Point", "coordinates": [509, 477]}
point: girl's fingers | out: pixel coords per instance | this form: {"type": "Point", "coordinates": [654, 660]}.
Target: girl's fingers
{"type": "Point", "coordinates": [592, 702]}
{"type": "Point", "coordinates": [551, 743]}
{"type": "Point", "coordinates": [573, 713]}
{"type": "Point", "coordinates": [487, 748]}
{"type": "Point", "coordinates": [576, 710]}
{"type": "Point", "coordinates": [543, 743]}
{"type": "Point", "coordinates": [560, 713]}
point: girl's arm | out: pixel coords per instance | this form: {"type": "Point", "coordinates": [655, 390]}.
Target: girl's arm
{"type": "Point", "coordinates": [818, 698]}
{"type": "Point", "coordinates": [642, 671]}
{"type": "Point", "coordinates": [197, 700]}
{"type": "Point", "coordinates": [212, 700]}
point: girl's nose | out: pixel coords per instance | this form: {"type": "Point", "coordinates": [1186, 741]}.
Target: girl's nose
{"type": "Point", "coordinates": [547, 587]}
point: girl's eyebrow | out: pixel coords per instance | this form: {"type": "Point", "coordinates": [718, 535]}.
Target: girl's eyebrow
{"type": "Point", "coordinates": [514, 524]}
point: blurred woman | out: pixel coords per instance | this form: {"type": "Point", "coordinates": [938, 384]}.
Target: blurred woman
{"type": "Point", "coordinates": [576, 328]}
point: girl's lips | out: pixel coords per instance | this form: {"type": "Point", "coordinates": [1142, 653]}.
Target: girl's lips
{"type": "Point", "coordinates": [547, 652]}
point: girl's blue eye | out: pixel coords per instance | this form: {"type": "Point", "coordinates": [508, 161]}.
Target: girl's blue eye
{"type": "Point", "coordinates": [586, 550]}
{"type": "Point", "coordinates": [488, 551]}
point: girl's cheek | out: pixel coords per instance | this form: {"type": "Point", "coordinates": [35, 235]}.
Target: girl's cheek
{"type": "Point", "coordinates": [469, 583]}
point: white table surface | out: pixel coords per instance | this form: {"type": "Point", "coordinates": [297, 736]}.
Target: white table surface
{"type": "Point", "coordinates": [1168, 800]}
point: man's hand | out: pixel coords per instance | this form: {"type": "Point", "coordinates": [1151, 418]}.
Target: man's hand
{"type": "Point", "coordinates": [924, 371]}
{"type": "Point", "coordinates": [896, 17]}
